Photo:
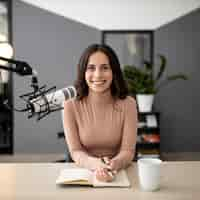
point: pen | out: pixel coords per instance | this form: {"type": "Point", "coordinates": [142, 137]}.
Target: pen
{"type": "Point", "coordinates": [110, 172]}
{"type": "Point", "coordinates": [104, 161]}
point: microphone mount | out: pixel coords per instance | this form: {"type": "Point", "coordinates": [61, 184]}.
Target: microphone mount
{"type": "Point", "coordinates": [32, 97]}
{"type": "Point", "coordinates": [22, 68]}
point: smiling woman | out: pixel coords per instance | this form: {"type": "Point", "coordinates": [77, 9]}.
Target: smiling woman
{"type": "Point", "coordinates": [98, 73]}
{"type": "Point", "coordinates": [101, 123]}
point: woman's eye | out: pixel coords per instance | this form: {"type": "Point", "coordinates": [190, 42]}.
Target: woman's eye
{"type": "Point", "coordinates": [106, 67]}
{"type": "Point", "coordinates": [102, 68]}
{"type": "Point", "coordinates": [90, 68]}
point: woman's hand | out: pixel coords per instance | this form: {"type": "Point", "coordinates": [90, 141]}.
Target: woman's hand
{"type": "Point", "coordinates": [104, 175]}
{"type": "Point", "coordinates": [112, 164]}
{"type": "Point", "coordinates": [97, 164]}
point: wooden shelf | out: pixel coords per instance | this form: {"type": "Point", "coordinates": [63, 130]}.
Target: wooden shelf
{"type": "Point", "coordinates": [145, 148]}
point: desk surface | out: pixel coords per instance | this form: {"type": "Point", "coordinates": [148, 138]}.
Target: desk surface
{"type": "Point", "coordinates": [179, 180]}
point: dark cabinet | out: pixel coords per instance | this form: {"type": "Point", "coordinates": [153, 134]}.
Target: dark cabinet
{"type": "Point", "coordinates": [6, 132]}
{"type": "Point", "coordinates": [6, 115]}
{"type": "Point", "coordinates": [148, 137]}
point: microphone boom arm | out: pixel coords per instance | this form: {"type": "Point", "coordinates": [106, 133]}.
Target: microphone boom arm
{"type": "Point", "coordinates": [21, 68]}
{"type": "Point", "coordinates": [41, 101]}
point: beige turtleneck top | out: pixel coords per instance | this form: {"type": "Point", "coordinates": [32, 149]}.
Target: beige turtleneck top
{"type": "Point", "coordinates": [99, 126]}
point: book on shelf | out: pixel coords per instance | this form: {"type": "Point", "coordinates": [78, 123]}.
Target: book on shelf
{"type": "Point", "coordinates": [148, 121]}
{"type": "Point", "coordinates": [151, 121]}
{"type": "Point", "coordinates": [141, 124]}
{"type": "Point", "coordinates": [148, 156]}
{"type": "Point", "coordinates": [150, 138]}
{"type": "Point", "coordinates": [148, 153]}
{"type": "Point", "coordinates": [82, 176]}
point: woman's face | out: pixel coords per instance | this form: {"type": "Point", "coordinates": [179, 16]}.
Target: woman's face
{"type": "Point", "coordinates": [98, 74]}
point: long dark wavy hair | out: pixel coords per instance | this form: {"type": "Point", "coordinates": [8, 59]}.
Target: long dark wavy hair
{"type": "Point", "coordinates": [118, 86]}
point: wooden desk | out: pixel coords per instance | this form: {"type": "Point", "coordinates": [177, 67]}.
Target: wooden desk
{"type": "Point", "coordinates": [179, 180]}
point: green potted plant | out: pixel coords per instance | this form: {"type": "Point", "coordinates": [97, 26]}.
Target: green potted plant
{"type": "Point", "coordinates": [145, 83]}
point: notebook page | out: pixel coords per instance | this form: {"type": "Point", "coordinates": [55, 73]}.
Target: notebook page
{"type": "Point", "coordinates": [73, 175]}
{"type": "Point", "coordinates": [121, 180]}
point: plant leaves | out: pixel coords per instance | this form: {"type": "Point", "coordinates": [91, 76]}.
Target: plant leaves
{"type": "Point", "coordinates": [162, 67]}
{"type": "Point", "coordinates": [177, 76]}
{"type": "Point", "coordinates": [148, 65]}
{"type": "Point", "coordinates": [141, 80]}
{"type": "Point", "coordinates": [149, 68]}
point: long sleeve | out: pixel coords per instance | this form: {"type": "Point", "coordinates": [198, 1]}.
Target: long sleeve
{"type": "Point", "coordinates": [127, 149]}
{"type": "Point", "coordinates": [78, 153]}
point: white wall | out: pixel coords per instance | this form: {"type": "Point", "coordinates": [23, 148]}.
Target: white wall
{"type": "Point", "coordinates": [120, 14]}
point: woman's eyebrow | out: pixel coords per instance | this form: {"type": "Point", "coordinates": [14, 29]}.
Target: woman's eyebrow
{"type": "Point", "coordinates": [104, 64]}
{"type": "Point", "coordinates": [91, 65]}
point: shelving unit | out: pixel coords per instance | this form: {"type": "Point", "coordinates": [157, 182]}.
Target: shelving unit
{"type": "Point", "coordinates": [148, 137]}
{"type": "Point", "coordinates": [6, 94]}
{"type": "Point", "coordinates": [6, 136]}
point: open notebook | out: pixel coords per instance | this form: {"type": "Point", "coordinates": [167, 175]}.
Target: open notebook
{"type": "Point", "coordinates": [81, 176]}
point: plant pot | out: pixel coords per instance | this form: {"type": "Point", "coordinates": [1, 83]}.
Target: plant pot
{"type": "Point", "coordinates": [145, 102]}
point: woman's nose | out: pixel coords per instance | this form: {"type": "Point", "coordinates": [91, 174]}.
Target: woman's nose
{"type": "Point", "coordinates": [97, 72]}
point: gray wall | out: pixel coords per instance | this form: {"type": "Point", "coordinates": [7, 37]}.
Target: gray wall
{"type": "Point", "coordinates": [52, 45]}
{"type": "Point", "coordinates": [179, 102]}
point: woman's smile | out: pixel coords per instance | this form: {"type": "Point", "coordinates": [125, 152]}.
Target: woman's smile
{"type": "Point", "coordinates": [98, 82]}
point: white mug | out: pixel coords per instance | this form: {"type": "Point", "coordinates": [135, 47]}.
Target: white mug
{"type": "Point", "coordinates": [149, 173]}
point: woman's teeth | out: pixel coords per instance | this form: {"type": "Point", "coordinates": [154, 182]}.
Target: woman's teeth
{"type": "Point", "coordinates": [98, 82]}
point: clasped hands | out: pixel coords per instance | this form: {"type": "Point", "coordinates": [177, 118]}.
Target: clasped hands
{"type": "Point", "coordinates": [107, 170]}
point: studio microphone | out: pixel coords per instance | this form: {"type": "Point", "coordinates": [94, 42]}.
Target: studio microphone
{"type": "Point", "coordinates": [46, 103]}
